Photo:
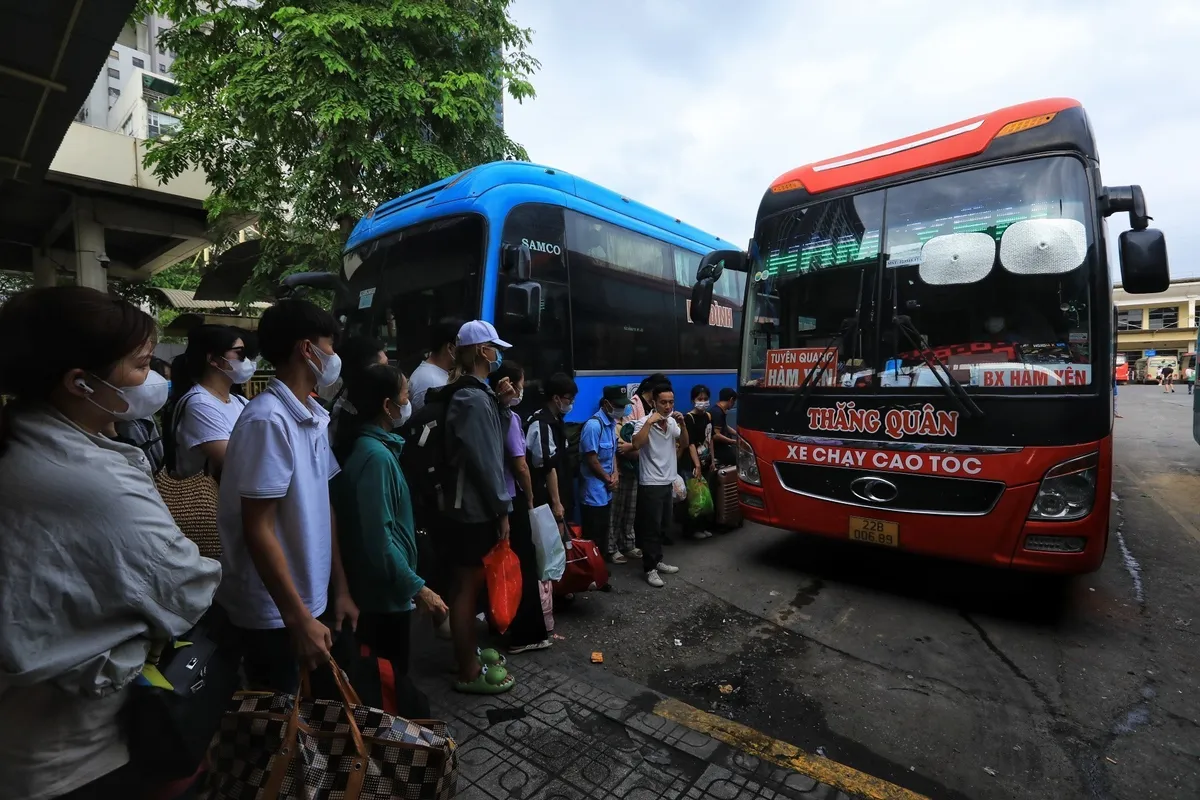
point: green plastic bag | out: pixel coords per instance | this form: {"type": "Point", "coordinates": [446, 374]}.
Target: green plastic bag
{"type": "Point", "coordinates": [699, 499]}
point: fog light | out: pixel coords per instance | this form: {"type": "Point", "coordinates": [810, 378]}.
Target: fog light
{"type": "Point", "coordinates": [1056, 544]}
{"type": "Point", "coordinates": [754, 501]}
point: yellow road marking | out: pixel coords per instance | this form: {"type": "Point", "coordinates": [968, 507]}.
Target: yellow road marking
{"type": "Point", "coordinates": [782, 754]}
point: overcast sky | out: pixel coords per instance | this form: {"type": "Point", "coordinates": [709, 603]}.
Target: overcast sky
{"type": "Point", "coordinates": [695, 106]}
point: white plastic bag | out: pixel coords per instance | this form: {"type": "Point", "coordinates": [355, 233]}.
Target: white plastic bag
{"type": "Point", "coordinates": [679, 489]}
{"type": "Point", "coordinates": [547, 541]}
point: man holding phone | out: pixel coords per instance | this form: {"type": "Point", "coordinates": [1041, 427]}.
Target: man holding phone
{"type": "Point", "coordinates": [658, 438]}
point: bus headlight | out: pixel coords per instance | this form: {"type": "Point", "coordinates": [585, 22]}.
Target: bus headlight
{"type": "Point", "coordinates": [1068, 491]}
{"type": "Point", "coordinates": [747, 464]}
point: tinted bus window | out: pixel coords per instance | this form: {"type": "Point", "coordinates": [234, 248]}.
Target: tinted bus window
{"type": "Point", "coordinates": [623, 300]}
{"type": "Point", "coordinates": [546, 350]}
{"type": "Point", "coordinates": [429, 272]}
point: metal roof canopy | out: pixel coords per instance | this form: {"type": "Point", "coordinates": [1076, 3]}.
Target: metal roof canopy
{"type": "Point", "coordinates": [50, 54]}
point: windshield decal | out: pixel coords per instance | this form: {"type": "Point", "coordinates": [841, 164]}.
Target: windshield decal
{"type": "Point", "coordinates": [788, 368]}
{"type": "Point", "coordinates": [1019, 375]}
{"type": "Point", "coordinates": [896, 423]}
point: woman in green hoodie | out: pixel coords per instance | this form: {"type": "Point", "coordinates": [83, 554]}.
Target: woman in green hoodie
{"type": "Point", "coordinates": [375, 521]}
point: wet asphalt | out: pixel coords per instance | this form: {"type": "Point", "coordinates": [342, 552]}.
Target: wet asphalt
{"type": "Point", "coordinates": [950, 680]}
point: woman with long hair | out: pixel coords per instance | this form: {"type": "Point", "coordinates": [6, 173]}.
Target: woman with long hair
{"type": "Point", "coordinates": [375, 518]}
{"type": "Point", "coordinates": [206, 410]}
{"type": "Point", "coordinates": [92, 566]}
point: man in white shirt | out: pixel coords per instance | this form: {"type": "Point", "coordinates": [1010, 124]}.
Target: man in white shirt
{"type": "Point", "coordinates": [658, 438]}
{"type": "Point", "coordinates": [283, 586]}
{"type": "Point", "coordinates": [434, 371]}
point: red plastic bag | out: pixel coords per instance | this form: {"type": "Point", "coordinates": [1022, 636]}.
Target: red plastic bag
{"type": "Point", "coordinates": [585, 566]}
{"type": "Point", "coordinates": [503, 571]}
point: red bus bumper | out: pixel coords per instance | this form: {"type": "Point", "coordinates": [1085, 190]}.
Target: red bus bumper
{"type": "Point", "coordinates": [997, 538]}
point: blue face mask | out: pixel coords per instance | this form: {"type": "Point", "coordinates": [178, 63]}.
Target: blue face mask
{"type": "Point", "coordinates": [495, 365]}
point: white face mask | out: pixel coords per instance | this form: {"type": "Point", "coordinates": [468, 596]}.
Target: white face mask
{"type": "Point", "coordinates": [516, 401]}
{"type": "Point", "coordinates": [702, 405]}
{"type": "Point", "coordinates": [405, 413]}
{"type": "Point", "coordinates": [143, 401]}
{"type": "Point", "coordinates": [240, 370]}
{"type": "Point", "coordinates": [329, 370]}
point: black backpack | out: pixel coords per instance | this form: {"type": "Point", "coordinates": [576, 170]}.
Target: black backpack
{"type": "Point", "coordinates": [425, 459]}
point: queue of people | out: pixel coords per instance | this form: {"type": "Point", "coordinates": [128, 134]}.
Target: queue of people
{"type": "Point", "coordinates": [323, 540]}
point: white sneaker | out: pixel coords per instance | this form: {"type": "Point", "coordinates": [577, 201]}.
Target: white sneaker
{"type": "Point", "coordinates": [702, 535]}
{"type": "Point", "coordinates": [667, 568]}
{"type": "Point", "coordinates": [653, 579]}
{"type": "Point", "coordinates": [634, 553]}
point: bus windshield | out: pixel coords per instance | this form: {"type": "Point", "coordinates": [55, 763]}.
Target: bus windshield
{"type": "Point", "coordinates": [987, 271]}
{"type": "Point", "coordinates": [425, 274]}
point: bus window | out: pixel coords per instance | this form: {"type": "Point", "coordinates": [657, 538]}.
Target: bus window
{"type": "Point", "coordinates": [547, 350]}
{"type": "Point", "coordinates": [431, 272]}
{"type": "Point", "coordinates": [623, 298]}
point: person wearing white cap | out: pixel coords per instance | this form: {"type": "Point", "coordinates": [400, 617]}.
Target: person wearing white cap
{"type": "Point", "coordinates": [478, 515]}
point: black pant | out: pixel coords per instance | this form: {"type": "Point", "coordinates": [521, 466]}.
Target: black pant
{"type": "Point", "coordinates": [595, 523]}
{"type": "Point", "coordinates": [655, 506]}
{"type": "Point", "coordinates": [529, 626]}
{"type": "Point", "coordinates": [270, 664]}
{"type": "Point", "coordinates": [388, 635]}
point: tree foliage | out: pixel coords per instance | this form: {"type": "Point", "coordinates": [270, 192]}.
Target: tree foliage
{"type": "Point", "coordinates": [306, 114]}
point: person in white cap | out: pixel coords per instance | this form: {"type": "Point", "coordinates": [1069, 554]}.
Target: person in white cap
{"type": "Point", "coordinates": [477, 517]}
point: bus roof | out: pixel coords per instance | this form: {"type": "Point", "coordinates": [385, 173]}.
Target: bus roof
{"type": "Point", "coordinates": [459, 194]}
{"type": "Point", "coordinates": [959, 140]}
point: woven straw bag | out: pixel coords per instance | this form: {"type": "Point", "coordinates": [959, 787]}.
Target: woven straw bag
{"type": "Point", "coordinates": [193, 503]}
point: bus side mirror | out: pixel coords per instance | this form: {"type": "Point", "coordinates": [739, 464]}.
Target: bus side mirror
{"type": "Point", "coordinates": [702, 300]}
{"type": "Point", "coordinates": [1144, 268]}
{"type": "Point", "coordinates": [712, 266]}
{"type": "Point", "coordinates": [296, 285]}
{"type": "Point", "coordinates": [523, 305]}
{"type": "Point", "coordinates": [516, 261]}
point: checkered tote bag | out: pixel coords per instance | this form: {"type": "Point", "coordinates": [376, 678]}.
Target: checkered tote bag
{"type": "Point", "coordinates": [283, 747]}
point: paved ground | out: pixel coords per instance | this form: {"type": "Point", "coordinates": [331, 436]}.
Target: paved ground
{"type": "Point", "coordinates": [952, 681]}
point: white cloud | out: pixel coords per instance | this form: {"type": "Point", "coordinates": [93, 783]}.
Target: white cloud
{"type": "Point", "coordinates": [694, 107]}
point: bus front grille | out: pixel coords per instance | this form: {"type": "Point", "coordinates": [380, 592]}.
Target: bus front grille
{"type": "Point", "coordinates": [893, 491]}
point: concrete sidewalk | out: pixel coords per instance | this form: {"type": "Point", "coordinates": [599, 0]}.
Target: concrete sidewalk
{"type": "Point", "coordinates": [558, 736]}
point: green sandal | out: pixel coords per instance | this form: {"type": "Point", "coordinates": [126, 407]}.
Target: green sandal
{"type": "Point", "coordinates": [488, 657]}
{"type": "Point", "coordinates": [492, 680]}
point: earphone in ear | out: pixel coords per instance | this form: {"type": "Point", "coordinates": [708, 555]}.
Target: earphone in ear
{"type": "Point", "coordinates": [82, 384]}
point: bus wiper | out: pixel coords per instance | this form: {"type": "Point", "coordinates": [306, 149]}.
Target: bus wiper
{"type": "Point", "coordinates": [813, 378]}
{"type": "Point", "coordinates": [953, 389]}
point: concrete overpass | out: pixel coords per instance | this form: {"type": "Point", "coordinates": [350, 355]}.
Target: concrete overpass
{"type": "Point", "coordinates": [75, 201]}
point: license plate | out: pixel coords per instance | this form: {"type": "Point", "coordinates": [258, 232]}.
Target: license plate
{"type": "Point", "coordinates": [875, 531]}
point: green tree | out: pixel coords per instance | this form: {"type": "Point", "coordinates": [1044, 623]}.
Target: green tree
{"type": "Point", "coordinates": [307, 114]}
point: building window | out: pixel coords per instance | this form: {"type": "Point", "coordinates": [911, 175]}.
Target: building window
{"type": "Point", "coordinates": [112, 92]}
{"type": "Point", "coordinates": [139, 64]}
{"type": "Point", "coordinates": [157, 124]}
{"type": "Point", "coordinates": [1164, 317]}
{"type": "Point", "coordinates": [114, 54]}
{"type": "Point", "coordinates": [1130, 320]}
{"type": "Point", "coordinates": [162, 68]}
{"type": "Point", "coordinates": [114, 73]}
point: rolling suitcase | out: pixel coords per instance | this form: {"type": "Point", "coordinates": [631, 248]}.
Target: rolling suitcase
{"type": "Point", "coordinates": [726, 511]}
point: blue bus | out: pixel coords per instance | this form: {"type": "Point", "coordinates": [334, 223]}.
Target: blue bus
{"type": "Point", "coordinates": [578, 278]}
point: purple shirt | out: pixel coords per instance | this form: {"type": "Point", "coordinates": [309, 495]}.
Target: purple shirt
{"type": "Point", "coordinates": [514, 446]}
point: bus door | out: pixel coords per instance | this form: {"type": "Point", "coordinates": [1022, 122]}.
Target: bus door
{"type": "Point", "coordinates": [533, 312]}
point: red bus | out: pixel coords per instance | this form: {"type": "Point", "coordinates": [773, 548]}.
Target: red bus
{"type": "Point", "coordinates": [1122, 369]}
{"type": "Point", "coordinates": [927, 342]}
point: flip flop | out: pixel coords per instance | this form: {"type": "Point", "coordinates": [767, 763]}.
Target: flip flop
{"type": "Point", "coordinates": [491, 680]}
